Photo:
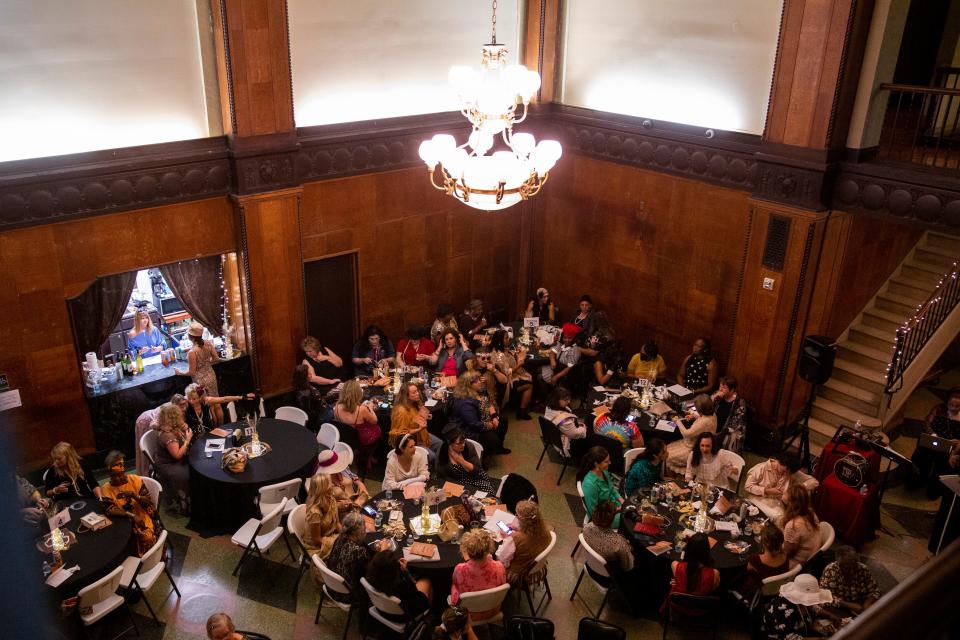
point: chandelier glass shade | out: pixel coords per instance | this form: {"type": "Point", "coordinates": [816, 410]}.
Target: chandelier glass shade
{"type": "Point", "coordinates": [483, 173]}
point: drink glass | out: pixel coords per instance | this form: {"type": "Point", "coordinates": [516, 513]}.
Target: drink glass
{"type": "Point", "coordinates": [389, 494]}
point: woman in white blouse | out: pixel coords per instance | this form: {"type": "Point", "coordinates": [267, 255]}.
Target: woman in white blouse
{"type": "Point", "coordinates": [406, 464]}
{"type": "Point", "coordinates": [704, 464]}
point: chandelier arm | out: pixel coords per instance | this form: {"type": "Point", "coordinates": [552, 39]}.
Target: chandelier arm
{"type": "Point", "coordinates": [430, 172]}
{"type": "Point", "coordinates": [523, 117]}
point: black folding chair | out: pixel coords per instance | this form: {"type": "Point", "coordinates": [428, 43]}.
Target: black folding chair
{"type": "Point", "coordinates": [593, 629]}
{"type": "Point", "coordinates": [551, 437]}
{"type": "Point", "coordinates": [700, 612]}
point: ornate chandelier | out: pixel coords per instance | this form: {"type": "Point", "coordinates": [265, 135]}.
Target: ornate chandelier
{"type": "Point", "coordinates": [489, 98]}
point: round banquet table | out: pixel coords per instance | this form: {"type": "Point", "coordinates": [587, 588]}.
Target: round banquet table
{"type": "Point", "coordinates": [220, 500]}
{"type": "Point", "coordinates": [97, 553]}
{"type": "Point", "coordinates": [645, 421]}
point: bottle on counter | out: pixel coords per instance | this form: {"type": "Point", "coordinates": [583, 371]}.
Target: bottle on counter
{"type": "Point", "coordinates": [139, 363]}
{"type": "Point", "coordinates": [125, 363]}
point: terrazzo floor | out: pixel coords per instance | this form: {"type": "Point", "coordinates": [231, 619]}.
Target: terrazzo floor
{"type": "Point", "coordinates": [262, 597]}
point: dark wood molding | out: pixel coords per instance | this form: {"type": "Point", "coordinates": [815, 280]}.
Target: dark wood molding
{"type": "Point", "coordinates": [719, 157]}
{"type": "Point", "coordinates": [45, 190]}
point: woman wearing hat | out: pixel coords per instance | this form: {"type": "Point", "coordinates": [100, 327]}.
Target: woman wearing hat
{"type": "Point", "coordinates": [347, 488]}
{"type": "Point", "coordinates": [542, 307]}
{"type": "Point", "coordinates": [796, 608]}
{"type": "Point", "coordinates": [200, 361]}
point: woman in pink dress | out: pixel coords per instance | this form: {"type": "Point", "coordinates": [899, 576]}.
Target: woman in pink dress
{"type": "Point", "coordinates": [479, 570]}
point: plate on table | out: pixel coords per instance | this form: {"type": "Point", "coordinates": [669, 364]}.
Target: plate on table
{"type": "Point", "coordinates": [388, 505]}
{"type": "Point", "coordinates": [738, 547]}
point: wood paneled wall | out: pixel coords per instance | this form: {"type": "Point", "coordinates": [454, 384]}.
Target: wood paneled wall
{"type": "Point", "coordinates": [416, 246]}
{"type": "Point", "coordinates": [43, 266]}
{"type": "Point", "coordinates": [661, 255]}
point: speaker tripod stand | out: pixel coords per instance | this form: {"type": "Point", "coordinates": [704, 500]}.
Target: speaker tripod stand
{"type": "Point", "coordinates": [803, 433]}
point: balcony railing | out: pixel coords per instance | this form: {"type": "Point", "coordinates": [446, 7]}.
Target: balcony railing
{"type": "Point", "coordinates": [922, 124]}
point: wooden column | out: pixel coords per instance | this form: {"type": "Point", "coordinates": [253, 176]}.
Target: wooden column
{"type": "Point", "coordinates": [257, 109]}
{"type": "Point", "coordinates": [541, 50]}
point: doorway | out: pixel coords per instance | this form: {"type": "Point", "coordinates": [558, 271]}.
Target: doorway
{"type": "Point", "coordinates": [333, 317]}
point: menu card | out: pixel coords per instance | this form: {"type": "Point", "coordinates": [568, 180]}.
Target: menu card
{"type": "Point", "coordinates": [423, 549]}
{"type": "Point", "coordinates": [413, 491]}
{"type": "Point", "coordinates": [452, 489]}
{"type": "Point", "coordinates": [659, 548]}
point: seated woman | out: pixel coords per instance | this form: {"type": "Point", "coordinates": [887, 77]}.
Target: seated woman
{"type": "Point", "coordinates": [321, 518]}
{"type": "Point", "coordinates": [698, 371]}
{"type": "Point", "coordinates": [771, 561]}
{"type": "Point", "coordinates": [598, 337]}
{"type": "Point", "coordinates": [410, 417]}
{"type": "Point", "coordinates": [406, 464]}
{"type": "Point", "coordinates": [307, 398]}
{"type": "Point", "coordinates": [68, 476]}
{"type": "Point", "coordinates": [596, 482]}
{"type": "Point", "coordinates": [478, 571]}
{"type": "Point", "coordinates": [466, 411]}
{"type": "Point", "coordinates": [693, 574]}
{"type": "Point", "coordinates": [416, 348]}
{"type": "Point", "coordinates": [850, 582]}
{"type": "Point", "coordinates": [543, 307]}
{"type": "Point", "coordinates": [573, 433]}
{"type": "Point", "coordinates": [174, 438]}
{"type": "Point", "coordinates": [450, 358]}
{"type": "Point", "coordinates": [389, 575]}
{"type": "Point", "coordinates": [352, 411]}
{"type": "Point", "coordinates": [127, 496]}
{"type": "Point", "coordinates": [645, 470]}
{"type": "Point", "coordinates": [144, 338]}
{"type": "Point", "coordinates": [444, 320]}
{"type": "Point", "coordinates": [648, 364]}
{"type": "Point", "coordinates": [705, 421]}
{"type": "Point", "coordinates": [607, 368]}
{"type": "Point", "coordinates": [323, 365]}
{"type": "Point", "coordinates": [199, 413]}
{"type": "Point", "coordinates": [487, 394]}
{"type": "Point", "coordinates": [350, 555]}
{"type": "Point", "coordinates": [618, 424]}
{"type": "Point", "coordinates": [509, 361]}
{"type": "Point", "coordinates": [459, 462]}
{"type": "Point", "coordinates": [705, 464]}
{"type": "Point", "coordinates": [454, 625]}
{"type": "Point", "coordinates": [797, 611]}
{"type": "Point", "coordinates": [346, 487]}
{"type": "Point", "coordinates": [606, 541]}
{"type": "Point", "coordinates": [801, 527]}
{"type": "Point", "coordinates": [372, 348]}
{"type": "Point", "coordinates": [32, 505]}
{"type": "Point", "coordinates": [519, 551]}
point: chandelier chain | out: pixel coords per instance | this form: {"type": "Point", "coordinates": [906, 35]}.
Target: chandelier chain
{"type": "Point", "coordinates": [493, 24]}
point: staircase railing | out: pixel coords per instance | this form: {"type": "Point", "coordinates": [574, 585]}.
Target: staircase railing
{"type": "Point", "coordinates": [913, 335]}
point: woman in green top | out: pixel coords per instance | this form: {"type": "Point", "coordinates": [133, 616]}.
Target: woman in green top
{"type": "Point", "coordinates": [596, 481]}
{"type": "Point", "coordinates": [645, 470]}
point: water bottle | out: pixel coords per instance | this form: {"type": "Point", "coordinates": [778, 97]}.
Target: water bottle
{"type": "Point", "coordinates": [743, 512]}
{"type": "Point", "coordinates": [378, 520]}
{"type": "Point", "coordinates": [389, 494]}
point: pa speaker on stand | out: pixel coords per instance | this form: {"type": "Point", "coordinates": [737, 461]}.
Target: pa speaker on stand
{"type": "Point", "coordinates": [817, 354]}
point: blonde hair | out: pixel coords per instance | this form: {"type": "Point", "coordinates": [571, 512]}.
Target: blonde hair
{"type": "Point", "coordinates": [464, 388]}
{"type": "Point", "coordinates": [320, 497]}
{"type": "Point", "coordinates": [531, 520]}
{"type": "Point", "coordinates": [310, 343]}
{"type": "Point", "coordinates": [477, 544]}
{"type": "Point", "coordinates": [351, 395]}
{"type": "Point", "coordinates": [191, 392]}
{"type": "Point", "coordinates": [170, 416]}
{"type": "Point", "coordinates": [73, 469]}
{"type": "Point", "coordinates": [136, 323]}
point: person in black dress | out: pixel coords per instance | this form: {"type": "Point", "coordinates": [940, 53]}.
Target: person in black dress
{"type": "Point", "coordinates": [68, 476]}
{"type": "Point", "coordinates": [323, 365]}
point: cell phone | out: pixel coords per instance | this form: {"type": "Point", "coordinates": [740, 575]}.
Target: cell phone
{"type": "Point", "coordinates": [209, 454]}
{"type": "Point", "coordinates": [504, 528]}
{"type": "Point", "coordinates": [630, 418]}
{"type": "Point", "coordinates": [370, 511]}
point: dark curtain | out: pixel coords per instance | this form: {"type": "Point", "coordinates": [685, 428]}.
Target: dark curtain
{"type": "Point", "coordinates": [198, 285]}
{"type": "Point", "coordinates": [98, 309]}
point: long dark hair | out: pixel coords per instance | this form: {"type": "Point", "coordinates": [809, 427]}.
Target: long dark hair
{"type": "Point", "coordinates": [373, 330]}
{"type": "Point", "coordinates": [300, 377]}
{"type": "Point", "coordinates": [383, 571]}
{"type": "Point", "coordinates": [620, 409]}
{"type": "Point", "coordinates": [496, 343]}
{"type": "Point", "coordinates": [654, 448]}
{"type": "Point", "coordinates": [706, 435]}
{"type": "Point", "coordinates": [558, 394]}
{"type": "Point", "coordinates": [591, 458]}
{"type": "Point", "coordinates": [697, 556]}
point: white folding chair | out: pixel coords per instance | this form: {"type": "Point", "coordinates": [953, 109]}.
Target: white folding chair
{"type": "Point", "coordinates": [141, 574]}
{"type": "Point", "coordinates": [736, 461]}
{"type": "Point", "coordinates": [232, 410]}
{"type": "Point", "coordinates": [827, 536]}
{"type": "Point", "coordinates": [100, 598]}
{"type": "Point", "coordinates": [328, 435]}
{"type": "Point", "coordinates": [599, 566]}
{"type": "Point", "coordinates": [384, 606]}
{"type": "Point", "coordinates": [586, 516]}
{"type": "Point", "coordinates": [333, 582]}
{"type": "Point", "coordinates": [538, 565]}
{"type": "Point", "coordinates": [477, 447]}
{"type": "Point", "coordinates": [155, 489]}
{"type": "Point", "coordinates": [297, 525]}
{"type": "Point", "coordinates": [770, 586]}
{"type": "Point", "coordinates": [503, 479]}
{"type": "Point", "coordinates": [259, 535]}
{"type": "Point", "coordinates": [292, 414]}
{"type": "Point", "coordinates": [629, 456]}
{"type": "Point", "coordinates": [272, 494]}
{"type": "Point", "coordinates": [477, 601]}
{"type": "Point", "coordinates": [148, 445]}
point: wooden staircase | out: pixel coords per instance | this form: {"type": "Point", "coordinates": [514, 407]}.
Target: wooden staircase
{"type": "Point", "coordinates": [855, 391]}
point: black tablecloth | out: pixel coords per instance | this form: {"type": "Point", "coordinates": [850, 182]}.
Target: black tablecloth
{"type": "Point", "coordinates": [221, 501]}
{"type": "Point", "coordinates": [97, 553]}
{"type": "Point", "coordinates": [645, 422]}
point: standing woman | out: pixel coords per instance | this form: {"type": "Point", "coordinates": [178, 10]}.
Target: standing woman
{"type": "Point", "coordinates": [410, 417]}
{"type": "Point", "coordinates": [144, 338]}
{"type": "Point", "coordinates": [353, 411]}
{"type": "Point", "coordinates": [596, 482]}
{"type": "Point", "coordinates": [698, 371]}
{"type": "Point", "coordinates": [200, 361]}
{"type": "Point", "coordinates": [174, 440]}
{"type": "Point", "coordinates": [68, 476]}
